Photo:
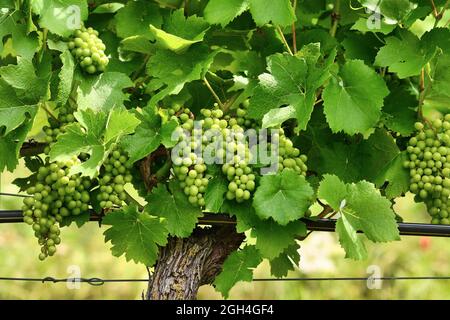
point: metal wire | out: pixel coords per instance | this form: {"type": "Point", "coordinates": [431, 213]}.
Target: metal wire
{"type": "Point", "coordinates": [99, 281]}
{"type": "Point", "coordinates": [328, 225]}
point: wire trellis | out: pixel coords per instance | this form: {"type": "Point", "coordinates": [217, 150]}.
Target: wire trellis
{"type": "Point", "coordinates": [100, 281]}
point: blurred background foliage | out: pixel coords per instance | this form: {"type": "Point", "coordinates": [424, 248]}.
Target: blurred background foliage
{"type": "Point", "coordinates": [321, 256]}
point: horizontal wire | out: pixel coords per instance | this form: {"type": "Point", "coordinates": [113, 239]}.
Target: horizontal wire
{"type": "Point", "coordinates": [15, 195]}
{"type": "Point", "coordinates": [99, 281]}
{"type": "Point", "coordinates": [326, 225]}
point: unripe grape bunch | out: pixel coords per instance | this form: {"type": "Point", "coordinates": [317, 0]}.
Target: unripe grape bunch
{"type": "Point", "coordinates": [429, 167]}
{"type": "Point", "coordinates": [89, 50]}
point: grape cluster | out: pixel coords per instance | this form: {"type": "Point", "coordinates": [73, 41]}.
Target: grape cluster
{"type": "Point", "coordinates": [89, 50]}
{"type": "Point", "coordinates": [55, 195]}
{"type": "Point", "coordinates": [235, 154]}
{"type": "Point", "coordinates": [57, 126]}
{"type": "Point", "coordinates": [241, 117]}
{"type": "Point", "coordinates": [289, 156]}
{"type": "Point", "coordinates": [429, 166]}
{"type": "Point", "coordinates": [188, 168]}
{"type": "Point", "coordinates": [114, 174]}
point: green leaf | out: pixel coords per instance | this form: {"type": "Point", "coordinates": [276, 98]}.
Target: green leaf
{"type": "Point", "coordinates": [244, 212]}
{"type": "Point", "coordinates": [348, 238]}
{"type": "Point", "coordinates": [272, 239]}
{"type": "Point", "coordinates": [223, 12]}
{"type": "Point", "coordinates": [181, 217]}
{"type": "Point", "coordinates": [399, 110]}
{"type": "Point", "coordinates": [180, 33]}
{"type": "Point", "coordinates": [365, 25]}
{"type": "Point", "coordinates": [175, 70]}
{"type": "Point", "coordinates": [12, 112]}
{"type": "Point", "coordinates": [103, 92]}
{"type": "Point", "coordinates": [275, 117]}
{"type": "Point", "coordinates": [440, 85]}
{"type": "Point", "coordinates": [237, 267]}
{"type": "Point", "coordinates": [62, 17]}
{"type": "Point", "coordinates": [148, 135]}
{"type": "Point", "coordinates": [351, 162]}
{"type": "Point", "coordinates": [396, 176]}
{"type": "Point", "coordinates": [10, 146]}
{"type": "Point", "coordinates": [285, 197]}
{"type": "Point", "coordinates": [293, 80]}
{"type": "Point", "coordinates": [92, 134]}
{"type": "Point", "coordinates": [333, 190]}
{"type": "Point", "coordinates": [80, 220]}
{"type": "Point", "coordinates": [278, 12]}
{"type": "Point", "coordinates": [135, 18]}
{"type": "Point", "coordinates": [65, 77]}
{"type": "Point", "coordinates": [405, 54]}
{"type": "Point", "coordinates": [362, 208]}
{"type": "Point", "coordinates": [361, 47]}
{"type": "Point", "coordinates": [120, 123]}
{"type": "Point", "coordinates": [285, 262]}
{"type": "Point", "coordinates": [214, 194]}
{"type": "Point", "coordinates": [137, 44]}
{"type": "Point", "coordinates": [22, 77]}
{"type": "Point", "coordinates": [111, 7]}
{"type": "Point", "coordinates": [353, 101]}
{"type": "Point", "coordinates": [135, 234]}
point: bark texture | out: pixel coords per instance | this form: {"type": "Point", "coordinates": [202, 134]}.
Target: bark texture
{"type": "Point", "coordinates": [186, 264]}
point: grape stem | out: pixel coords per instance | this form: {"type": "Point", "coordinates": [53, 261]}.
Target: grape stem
{"type": "Point", "coordinates": [216, 97]}
{"type": "Point", "coordinates": [335, 18]}
{"type": "Point", "coordinates": [44, 106]}
{"type": "Point", "coordinates": [283, 39]}
{"type": "Point", "coordinates": [294, 32]}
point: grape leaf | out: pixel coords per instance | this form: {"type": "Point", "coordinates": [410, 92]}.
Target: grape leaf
{"type": "Point", "coordinates": [348, 238]}
{"type": "Point", "coordinates": [103, 92]}
{"type": "Point", "coordinates": [12, 112]}
{"type": "Point", "coordinates": [285, 197]}
{"type": "Point", "coordinates": [293, 80]}
{"type": "Point", "coordinates": [223, 12]}
{"type": "Point", "coordinates": [365, 25]}
{"type": "Point", "coordinates": [179, 33]}
{"type": "Point", "coordinates": [92, 135]}
{"type": "Point", "coordinates": [351, 162]}
{"type": "Point", "coordinates": [135, 234]}
{"type": "Point", "coordinates": [285, 262]}
{"type": "Point", "coordinates": [135, 18]}
{"type": "Point", "coordinates": [275, 117]}
{"type": "Point", "coordinates": [405, 54]}
{"type": "Point", "coordinates": [29, 88]}
{"type": "Point", "coordinates": [362, 208]}
{"type": "Point", "coordinates": [10, 145]}
{"type": "Point", "coordinates": [214, 194]}
{"type": "Point", "coordinates": [399, 110]}
{"type": "Point", "coordinates": [237, 267]}
{"type": "Point", "coordinates": [181, 217]}
{"type": "Point", "coordinates": [271, 246]}
{"type": "Point", "coordinates": [396, 176]}
{"type": "Point", "coordinates": [108, 7]}
{"type": "Point", "coordinates": [440, 85]}
{"type": "Point", "coordinates": [61, 17]}
{"type": "Point", "coordinates": [150, 133]}
{"type": "Point", "coordinates": [65, 77]}
{"type": "Point", "coordinates": [278, 12]}
{"type": "Point", "coordinates": [175, 70]}
{"type": "Point", "coordinates": [80, 220]}
{"type": "Point", "coordinates": [353, 100]}
{"type": "Point", "coordinates": [244, 212]}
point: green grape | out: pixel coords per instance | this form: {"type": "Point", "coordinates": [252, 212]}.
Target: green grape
{"type": "Point", "coordinates": [429, 167]}
{"type": "Point", "coordinates": [112, 182]}
{"type": "Point", "coordinates": [89, 50]}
